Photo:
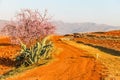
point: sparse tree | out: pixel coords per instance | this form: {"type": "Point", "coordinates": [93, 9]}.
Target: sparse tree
{"type": "Point", "coordinates": [29, 25]}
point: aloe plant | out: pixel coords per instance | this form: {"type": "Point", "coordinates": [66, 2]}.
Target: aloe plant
{"type": "Point", "coordinates": [39, 51]}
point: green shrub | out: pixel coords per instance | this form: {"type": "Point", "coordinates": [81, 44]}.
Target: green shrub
{"type": "Point", "coordinates": [39, 51]}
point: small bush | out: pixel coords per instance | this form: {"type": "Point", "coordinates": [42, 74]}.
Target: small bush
{"type": "Point", "coordinates": [39, 51]}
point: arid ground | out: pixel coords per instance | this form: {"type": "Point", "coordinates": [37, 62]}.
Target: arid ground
{"type": "Point", "coordinates": [80, 56]}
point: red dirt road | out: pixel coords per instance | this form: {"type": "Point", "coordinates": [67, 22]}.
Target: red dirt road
{"type": "Point", "coordinates": [70, 64]}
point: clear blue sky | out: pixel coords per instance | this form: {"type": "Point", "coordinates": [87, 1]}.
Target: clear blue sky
{"type": "Point", "coordinates": [99, 11]}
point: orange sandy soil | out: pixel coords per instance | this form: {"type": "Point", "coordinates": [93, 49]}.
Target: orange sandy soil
{"type": "Point", "coordinates": [70, 64]}
{"type": "Point", "coordinates": [111, 44]}
{"type": "Point", "coordinates": [113, 33]}
{"type": "Point", "coordinates": [96, 40]}
{"type": "Point", "coordinates": [7, 53]}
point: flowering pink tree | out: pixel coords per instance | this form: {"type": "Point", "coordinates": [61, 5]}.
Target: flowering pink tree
{"type": "Point", "coordinates": [29, 25]}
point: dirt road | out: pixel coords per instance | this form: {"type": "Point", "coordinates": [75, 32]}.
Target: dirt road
{"type": "Point", "coordinates": [70, 64]}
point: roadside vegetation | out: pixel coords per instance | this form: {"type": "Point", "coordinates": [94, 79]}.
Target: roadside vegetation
{"type": "Point", "coordinates": [31, 31]}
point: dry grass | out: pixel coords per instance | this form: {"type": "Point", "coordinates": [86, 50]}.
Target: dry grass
{"type": "Point", "coordinates": [111, 62]}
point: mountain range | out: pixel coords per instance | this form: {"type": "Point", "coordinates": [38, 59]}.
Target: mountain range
{"type": "Point", "coordinates": [66, 28]}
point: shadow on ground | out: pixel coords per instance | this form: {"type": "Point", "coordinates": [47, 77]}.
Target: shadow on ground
{"type": "Point", "coordinates": [104, 49]}
{"type": "Point", "coordinates": [7, 62]}
{"type": "Point", "coordinates": [6, 44]}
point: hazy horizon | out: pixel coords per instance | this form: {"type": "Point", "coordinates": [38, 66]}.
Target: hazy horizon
{"type": "Point", "coordinates": [96, 11]}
